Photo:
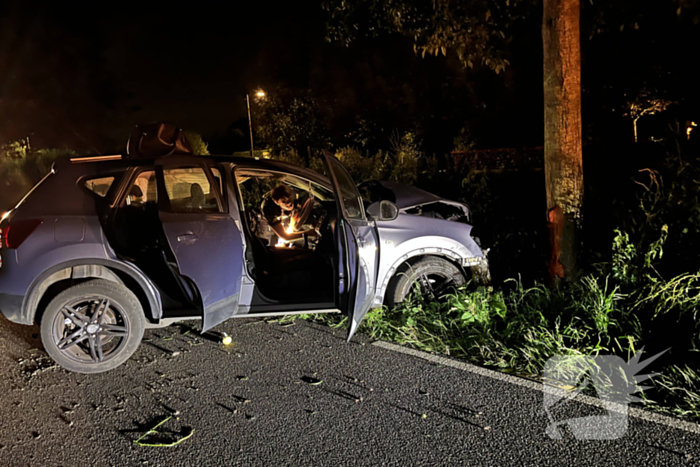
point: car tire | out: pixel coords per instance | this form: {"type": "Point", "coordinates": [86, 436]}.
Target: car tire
{"type": "Point", "coordinates": [106, 322]}
{"type": "Point", "coordinates": [424, 273]}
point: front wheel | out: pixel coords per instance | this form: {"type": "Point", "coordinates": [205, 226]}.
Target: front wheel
{"type": "Point", "coordinates": [431, 277]}
{"type": "Point", "coordinates": [93, 327]}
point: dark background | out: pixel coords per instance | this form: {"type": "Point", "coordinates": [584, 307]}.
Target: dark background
{"type": "Point", "coordinates": [81, 77]}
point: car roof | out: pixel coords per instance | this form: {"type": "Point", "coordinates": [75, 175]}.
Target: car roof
{"type": "Point", "coordinates": [98, 164]}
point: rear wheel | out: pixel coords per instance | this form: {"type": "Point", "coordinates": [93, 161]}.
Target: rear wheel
{"type": "Point", "coordinates": [432, 277]}
{"type": "Point", "coordinates": [93, 327]}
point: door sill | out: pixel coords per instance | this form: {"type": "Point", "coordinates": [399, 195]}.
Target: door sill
{"type": "Point", "coordinates": [165, 322]}
{"type": "Point", "coordinates": [285, 313]}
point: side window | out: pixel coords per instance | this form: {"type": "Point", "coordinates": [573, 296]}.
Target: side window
{"type": "Point", "coordinates": [351, 201]}
{"type": "Point", "coordinates": [189, 190]}
{"type": "Point", "coordinates": [144, 190]}
{"type": "Point", "coordinates": [99, 186]}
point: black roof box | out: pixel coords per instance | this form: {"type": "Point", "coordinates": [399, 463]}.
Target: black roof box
{"type": "Point", "coordinates": [156, 140]}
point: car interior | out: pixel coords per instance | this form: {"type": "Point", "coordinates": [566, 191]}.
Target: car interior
{"type": "Point", "coordinates": [296, 271]}
{"type": "Point", "coordinates": [286, 274]}
{"type": "Point", "coordinates": [136, 232]}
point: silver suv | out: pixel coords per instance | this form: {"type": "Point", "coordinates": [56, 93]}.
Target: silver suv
{"type": "Point", "coordinates": [105, 247]}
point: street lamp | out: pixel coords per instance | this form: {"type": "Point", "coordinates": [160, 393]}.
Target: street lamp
{"type": "Point", "coordinates": [261, 95]}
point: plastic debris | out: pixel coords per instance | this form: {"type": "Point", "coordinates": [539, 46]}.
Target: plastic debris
{"type": "Point", "coordinates": [226, 339]}
{"type": "Point", "coordinates": [154, 431]}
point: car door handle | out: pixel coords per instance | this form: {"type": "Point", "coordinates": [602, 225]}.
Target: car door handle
{"type": "Point", "coordinates": [187, 237]}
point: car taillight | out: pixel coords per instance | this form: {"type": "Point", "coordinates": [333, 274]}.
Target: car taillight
{"type": "Point", "coordinates": [16, 233]}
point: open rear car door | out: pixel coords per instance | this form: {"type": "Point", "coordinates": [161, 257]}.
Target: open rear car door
{"type": "Point", "coordinates": [357, 245]}
{"type": "Point", "coordinates": [202, 235]}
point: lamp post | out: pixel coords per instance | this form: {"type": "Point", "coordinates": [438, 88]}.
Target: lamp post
{"type": "Point", "coordinates": [260, 94]}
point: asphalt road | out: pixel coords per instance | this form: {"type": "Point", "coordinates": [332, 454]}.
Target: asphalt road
{"type": "Point", "coordinates": [253, 403]}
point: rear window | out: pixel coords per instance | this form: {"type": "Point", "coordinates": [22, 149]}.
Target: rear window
{"type": "Point", "coordinates": [99, 186]}
{"type": "Point", "coordinates": [51, 172]}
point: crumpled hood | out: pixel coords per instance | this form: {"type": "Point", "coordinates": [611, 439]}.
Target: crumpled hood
{"type": "Point", "coordinates": [408, 196]}
{"type": "Point", "coordinates": [405, 196]}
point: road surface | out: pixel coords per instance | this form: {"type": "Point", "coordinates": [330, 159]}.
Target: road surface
{"type": "Point", "coordinates": [293, 395]}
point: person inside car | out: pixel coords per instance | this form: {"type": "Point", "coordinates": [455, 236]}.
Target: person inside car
{"type": "Point", "coordinates": [279, 205]}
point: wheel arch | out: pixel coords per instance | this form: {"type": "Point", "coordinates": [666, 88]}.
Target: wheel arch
{"type": "Point", "coordinates": [55, 279]}
{"type": "Point", "coordinates": [413, 257]}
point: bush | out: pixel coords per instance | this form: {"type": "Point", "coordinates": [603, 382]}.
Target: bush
{"type": "Point", "coordinates": [406, 159]}
{"type": "Point", "coordinates": [199, 147]}
{"type": "Point", "coordinates": [361, 167]}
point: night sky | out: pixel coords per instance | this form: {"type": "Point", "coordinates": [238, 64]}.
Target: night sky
{"type": "Point", "coordinates": [189, 64]}
{"type": "Point", "coordinates": [82, 77]}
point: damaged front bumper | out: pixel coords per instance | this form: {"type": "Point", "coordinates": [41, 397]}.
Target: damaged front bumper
{"type": "Point", "coordinates": [479, 266]}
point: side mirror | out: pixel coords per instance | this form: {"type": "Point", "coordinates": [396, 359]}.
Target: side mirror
{"type": "Point", "coordinates": [383, 211]}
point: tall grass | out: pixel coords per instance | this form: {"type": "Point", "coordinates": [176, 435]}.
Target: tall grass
{"type": "Point", "coordinates": [519, 328]}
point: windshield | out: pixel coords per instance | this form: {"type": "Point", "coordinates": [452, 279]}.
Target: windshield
{"type": "Point", "coordinates": [373, 191]}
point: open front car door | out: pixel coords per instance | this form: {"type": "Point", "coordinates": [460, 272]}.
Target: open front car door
{"type": "Point", "coordinates": [203, 238]}
{"type": "Point", "coordinates": [358, 248]}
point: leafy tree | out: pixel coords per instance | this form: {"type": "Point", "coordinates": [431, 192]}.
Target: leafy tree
{"type": "Point", "coordinates": [645, 104]}
{"type": "Point", "coordinates": [287, 121]}
{"type": "Point", "coordinates": [479, 32]}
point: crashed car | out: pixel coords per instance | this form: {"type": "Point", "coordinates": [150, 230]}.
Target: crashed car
{"type": "Point", "coordinates": [411, 200]}
{"type": "Point", "coordinates": [105, 247]}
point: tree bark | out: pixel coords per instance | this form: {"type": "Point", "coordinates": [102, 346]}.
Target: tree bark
{"type": "Point", "coordinates": [563, 161]}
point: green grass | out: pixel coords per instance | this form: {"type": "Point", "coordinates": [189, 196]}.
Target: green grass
{"type": "Point", "coordinates": [518, 329]}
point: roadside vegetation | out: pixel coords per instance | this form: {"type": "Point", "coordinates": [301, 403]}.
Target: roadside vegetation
{"type": "Point", "coordinates": [640, 289]}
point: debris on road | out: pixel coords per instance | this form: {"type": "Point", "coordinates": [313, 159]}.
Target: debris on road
{"type": "Point", "coordinates": [226, 339]}
{"type": "Point", "coordinates": [311, 380]}
{"type": "Point", "coordinates": [157, 441]}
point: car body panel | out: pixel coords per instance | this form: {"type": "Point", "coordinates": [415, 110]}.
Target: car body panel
{"type": "Point", "coordinates": [207, 247]}
{"type": "Point", "coordinates": [71, 234]}
{"type": "Point", "coordinates": [362, 245]}
{"type": "Point", "coordinates": [410, 236]}
{"type": "Point", "coordinates": [25, 269]}
{"type": "Point", "coordinates": [368, 260]}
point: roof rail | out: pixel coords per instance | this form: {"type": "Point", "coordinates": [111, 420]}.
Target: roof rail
{"type": "Point", "coordinates": [77, 160]}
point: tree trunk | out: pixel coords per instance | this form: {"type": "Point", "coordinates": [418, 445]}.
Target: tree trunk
{"type": "Point", "coordinates": [563, 161]}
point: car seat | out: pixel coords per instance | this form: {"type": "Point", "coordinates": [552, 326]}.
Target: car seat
{"type": "Point", "coordinates": [285, 272]}
{"type": "Point", "coordinates": [197, 199]}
